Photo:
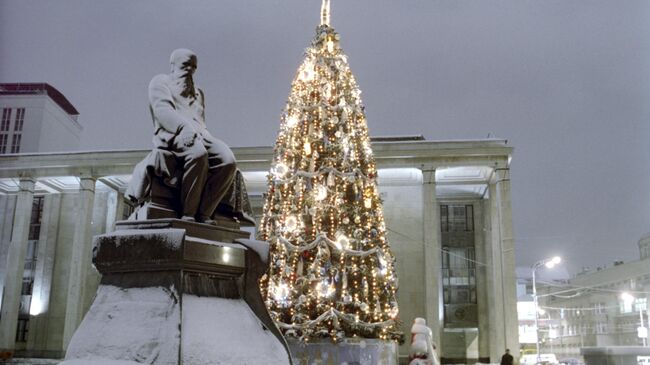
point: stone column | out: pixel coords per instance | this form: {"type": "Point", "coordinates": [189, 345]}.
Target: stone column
{"type": "Point", "coordinates": [15, 264]}
{"type": "Point", "coordinates": [509, 280]}
{"type": "Point", "coordinates": [81, 259]}
{"type": "Point", "coordinates": [481, 282]}
{"type": "Point", "coordinates": [38, 321]}
{"type": "Point", "coordinates": [432, 258]}
{"type": "Point", "coordinates": [495, 307]}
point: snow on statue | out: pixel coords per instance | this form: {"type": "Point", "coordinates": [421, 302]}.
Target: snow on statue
{"type": "Point", "coordinates": [423, 351]}
{"type": "Point", "coordinates": [185, 155]}
{"type": "Point", "coordinates": [332, 271]}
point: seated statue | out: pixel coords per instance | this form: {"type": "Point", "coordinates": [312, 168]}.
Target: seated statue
{"type": "Point", "coordinates": [189, 174]}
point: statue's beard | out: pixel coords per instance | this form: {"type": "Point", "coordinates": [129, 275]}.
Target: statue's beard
{"type": "Point", "coordinates": [188, 88]}
{"type": "Point", "coordinates": [185, 84]}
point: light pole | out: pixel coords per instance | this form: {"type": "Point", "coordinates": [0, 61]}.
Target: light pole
{"type": "Point", "coordinates": [549, 263]}
{"type": "Point", "coordinates": [642, 332]}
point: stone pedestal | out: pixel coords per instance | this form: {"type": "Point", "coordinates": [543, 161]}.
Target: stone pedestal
{"type": "Point", "coordinates": [175, 292]}
{"type": "Point", "coordinates": [362, 351]}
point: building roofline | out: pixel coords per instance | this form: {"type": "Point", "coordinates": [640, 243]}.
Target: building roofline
{"type": "Point", "coordinates": [38, 88]}
{"type": "Point", "coordinates": [417, 154]}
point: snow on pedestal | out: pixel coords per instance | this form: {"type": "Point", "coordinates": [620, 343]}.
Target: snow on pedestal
{"type": "Point", "coordinates": [138, 324]}
{"type": "Point", "coordinates": [232, 327]}
{"type": "Point", "coordinates": [171, 294]}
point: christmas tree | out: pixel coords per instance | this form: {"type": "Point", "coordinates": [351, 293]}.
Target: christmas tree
{"type": "Point", "coordinates": [331, 272]}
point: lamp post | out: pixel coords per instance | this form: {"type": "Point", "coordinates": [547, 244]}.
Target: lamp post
{"type": "Point", "coordinates": [642, 332]}
{"type": "Point", "coordinates": [549, 263]}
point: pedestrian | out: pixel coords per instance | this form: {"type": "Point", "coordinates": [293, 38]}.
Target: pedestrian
{"type": "Point", "coordinates": [507, 359]}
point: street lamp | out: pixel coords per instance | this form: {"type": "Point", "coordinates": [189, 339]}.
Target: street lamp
{"type": "Point", "coordinates": [549, 263]}
{"type": "Point", "coordinates": [642, 332]}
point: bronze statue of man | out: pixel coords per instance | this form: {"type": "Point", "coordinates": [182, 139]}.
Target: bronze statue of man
{"type": "Point", "coordinates": [178, 111]}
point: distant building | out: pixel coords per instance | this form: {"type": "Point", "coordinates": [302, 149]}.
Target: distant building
{"type": "Point", "coordinates": [588, 309]}
{"type": "Point", "coordinates": [446, 204]}
{"type": "Point", "coordinates": [644, 246]}
{"type": "Point", "coordinates": [36, 117]}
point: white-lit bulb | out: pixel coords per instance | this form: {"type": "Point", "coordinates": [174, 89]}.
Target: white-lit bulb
{"type": "Point", "coordinates": [325, 289]}
{"type": "Point", "coordinates": [292, 121]}
{"type": "Point", "coordinates": [291, 223]}
{"type": "Point", "coordinates": [367, 202]}
{"type": "Point", "coordinates": [281, 292]}
{"type": "Point", "coordinates": [308, 72]}
{"type": "Point", "coordinates": [342, 241]}
{"type": "Point", "coordinates": [280, 170]}
{"type": "Point", "coordinates": [321, 193]}
{"type": "Point", "coordinates": [393, 312]}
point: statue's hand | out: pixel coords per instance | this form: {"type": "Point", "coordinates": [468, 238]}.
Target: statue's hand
{"type": "Point", "coordinates": [186, 137]}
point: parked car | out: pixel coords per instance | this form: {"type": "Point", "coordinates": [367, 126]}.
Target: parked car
{"type": "Point", "coordinates": [571, 361]}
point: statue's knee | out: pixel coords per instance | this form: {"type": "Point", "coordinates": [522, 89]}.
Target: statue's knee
{"type": "Point", "coordinates": [231, 166]}
{"type": "Point", "coordinates": [198, 155]}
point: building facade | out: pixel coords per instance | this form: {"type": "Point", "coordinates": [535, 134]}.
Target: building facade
{"type": "Point", "coordinates": [36, 117]}
{"type": "Point", "coordinates": [447, 209]}
{"type": "Point", "coordinates": [590, 309]}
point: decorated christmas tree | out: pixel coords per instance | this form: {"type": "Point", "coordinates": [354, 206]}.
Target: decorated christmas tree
{"type": "Point", "coordinates": [331, 271]}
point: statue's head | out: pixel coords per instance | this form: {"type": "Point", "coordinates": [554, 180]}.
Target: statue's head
{"type": "Point", "coordinates": [183, 62]}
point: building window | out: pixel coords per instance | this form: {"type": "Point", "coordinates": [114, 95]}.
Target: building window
{"type": "Point", "coordinates": [458, 266]}
{"type": "Point", "coordinates": [15, 143]}
{"type": "Point", "coordinates": [20, 119]}
{"type": "Point", "coordinates": [444, 218]}
{"type": "Point", "coordinates": [457, 218]}
{"type": "Point", "coordinates": [625, 306]}
{"type": "Point", "coordinates": [4, 130]}
{"type": "Point", "coordinates": [3, 143]}
{"type": "Point", "coordinates": [641, 304]}
{"type": "Point", "coordinates": [22, 329]}
{"type": "Point", "coordinates": [18, 130]}
{"type": "Point", "coordinates": [6, 119]}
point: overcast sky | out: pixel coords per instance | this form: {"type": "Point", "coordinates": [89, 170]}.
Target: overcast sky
{"type": "Point", "coordinates": [565, 82]}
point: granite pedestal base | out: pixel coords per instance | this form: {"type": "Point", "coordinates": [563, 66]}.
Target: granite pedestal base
{"type": "Point", "coordinates": [175, 292]}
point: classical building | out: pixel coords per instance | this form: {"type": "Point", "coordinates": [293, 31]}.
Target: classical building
{"type": "Point", "coordinates": [447, 209]}
{"type": "Point", "coordinates": [36, 117]}
{"type": "Point", "coordinates": [590, 310]}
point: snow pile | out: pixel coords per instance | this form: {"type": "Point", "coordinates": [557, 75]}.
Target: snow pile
{"type": "Point", "coordinates": [135, 325]}
{"type": "Point", "coordinates": [225, 331]}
